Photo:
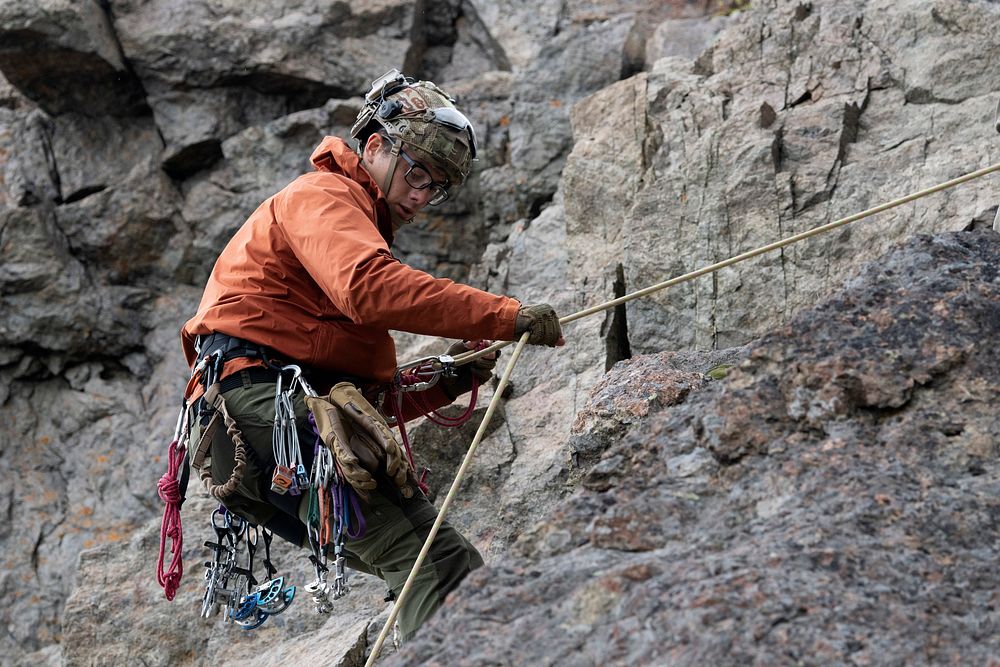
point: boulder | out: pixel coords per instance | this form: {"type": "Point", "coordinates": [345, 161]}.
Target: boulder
{"type": "Point", "coordinates": [813, 505]}
{"type": "Point", "coordinates": [213, 69]}
{"type": "Point", "coordinates": [65, 56]}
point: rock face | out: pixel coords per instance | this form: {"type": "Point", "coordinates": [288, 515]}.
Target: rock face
{"type": "Point", "coordinates": [797, 115]}
{"type": "Point", "coordinates": [623, 143]}
{"type": "Point", "coordinates": [842, 509]}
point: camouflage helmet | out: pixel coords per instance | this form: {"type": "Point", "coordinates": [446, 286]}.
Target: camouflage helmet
{"type": "Point", "coordinates": [422, 116]}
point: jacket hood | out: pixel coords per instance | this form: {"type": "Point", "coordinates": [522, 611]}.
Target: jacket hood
{"type": "Point", "coordinates": [335, 156]}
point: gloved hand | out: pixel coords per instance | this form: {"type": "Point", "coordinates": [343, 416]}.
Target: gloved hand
{"type": "Point", "coordinates": [543, 323]}
{"type": "Point", "coordinates": [481, 368]}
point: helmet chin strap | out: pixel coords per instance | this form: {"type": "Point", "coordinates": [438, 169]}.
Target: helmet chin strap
{"type": "Point", "coordinates": [394, 154]}
{"type": "Point", "coordinates": [396, 147]}
{"type": "Point", "coordinates": [387, 181]}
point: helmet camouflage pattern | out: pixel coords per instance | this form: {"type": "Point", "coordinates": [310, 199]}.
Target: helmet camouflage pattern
{"type": "Point", "coordinates": [422, 116]}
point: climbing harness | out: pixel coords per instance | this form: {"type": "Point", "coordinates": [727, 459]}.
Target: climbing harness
{"type": "Point", "coordinates": [519, 345]}
{"type": "Point", "coordinates": [228, 584]}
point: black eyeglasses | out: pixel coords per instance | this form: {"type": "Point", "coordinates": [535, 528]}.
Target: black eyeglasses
{"type": "Point", "coordinates": [419, 178]}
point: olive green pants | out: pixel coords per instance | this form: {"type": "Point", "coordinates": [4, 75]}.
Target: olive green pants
{"type": "Point", "coordinates": [395, 527]}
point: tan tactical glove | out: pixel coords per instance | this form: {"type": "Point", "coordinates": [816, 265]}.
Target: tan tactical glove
{"type": "Point", "coordinates": [481, 369]}
{"type": "Point", "coordinates": [543, 323]}
{"type": "Point", "coordinates": [361, 442]}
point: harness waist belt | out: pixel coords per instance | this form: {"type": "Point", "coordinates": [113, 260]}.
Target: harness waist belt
{"type": "Point", "coordinates": [230, 346]}
{"type": "Point", "coordinates": [234, 348]}
{"type": "Point", "coordinates": [248, 375]}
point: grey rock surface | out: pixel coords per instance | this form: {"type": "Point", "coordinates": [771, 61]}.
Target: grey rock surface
{"type": "Point", "coordinates": [135, 137]}
{"type": "Point", "coordinates": [65, 55]}
{"type": "Point", "coordinates": [799, 114]}
{"type": "Point", "coordinates": [212, 69]}
{"type": "Point", "coordinates": [842, 510]}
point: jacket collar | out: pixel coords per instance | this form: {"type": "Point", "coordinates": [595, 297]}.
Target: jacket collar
{"type": "Point", "coordinates": [335, 156]}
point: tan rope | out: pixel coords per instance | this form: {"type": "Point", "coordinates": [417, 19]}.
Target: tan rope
{"type": "Point", "coordinates": [401, 599]}
{"type": "Point", "coordinates": [226, 489]}
{"type": "Point", "coordinates": [472, 355]}
{"type": "Point", "coordinates": [467, 357]}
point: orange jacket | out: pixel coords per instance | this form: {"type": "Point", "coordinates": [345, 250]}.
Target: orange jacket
{"type": "Point", "coordinates": [310, 276]}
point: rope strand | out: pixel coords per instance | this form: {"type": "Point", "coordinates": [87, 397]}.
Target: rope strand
{"type": "Point", "coordinates": [404, 594]}
{"type": "Point", "coordinates": [467, 357]}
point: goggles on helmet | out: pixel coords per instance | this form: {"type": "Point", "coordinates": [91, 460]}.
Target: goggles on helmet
{"type": "Point", "coordinates": [456, 120]}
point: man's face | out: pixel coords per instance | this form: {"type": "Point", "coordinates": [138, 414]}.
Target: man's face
{"type": "Point", "coordinates": [404, 200]}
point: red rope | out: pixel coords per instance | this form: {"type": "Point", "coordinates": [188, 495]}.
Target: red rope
{"type": "Point", "coordinates": [444, 420]}
{"type": "Point", "coordinates": [397, 412]}
{"type": "Point", "coordinates": [413, 376]}
{"type": "Point", "coordinates": [169, 491]}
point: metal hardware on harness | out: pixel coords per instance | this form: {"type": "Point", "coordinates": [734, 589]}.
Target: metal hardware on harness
{"type": "Point", "coordinates": [328, 509]}
{"type": "Point", "coordinates": [340, 588]}
{"type": "Point", "coordinates": [425, 373]}
{"type": "Point", "coordinates": [289, 473]}
{"type": "Point", "coordinates": [235, 589]}
{"type": "Point", "coordinates": [317, 530]}
{"type": "Point", "coordinates": [319, 590]}
{"type": "Point", "coordinates": [223, 565]}
{"type": "Point", "coordinates": [282, 479]}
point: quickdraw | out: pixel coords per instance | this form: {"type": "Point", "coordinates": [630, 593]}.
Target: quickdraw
{"type": "Point", "coordinates": [289, 472]}
{"type": "Point", "coordinates": [317, 521]}
{"type": "Point", "coordinates": [332, 503]}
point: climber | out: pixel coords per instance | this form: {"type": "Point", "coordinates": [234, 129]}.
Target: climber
{"type": "Point", "coordinates": [309, 280]}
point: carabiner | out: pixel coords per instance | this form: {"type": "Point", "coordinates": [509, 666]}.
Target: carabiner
{"type": "Point", "coordinates": [422, 374]}
{"type": "Point", "coordinates": [296, 376]}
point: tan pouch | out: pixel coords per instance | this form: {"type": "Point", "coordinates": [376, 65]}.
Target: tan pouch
{"type": "Point", "coordinates": [360, 440]}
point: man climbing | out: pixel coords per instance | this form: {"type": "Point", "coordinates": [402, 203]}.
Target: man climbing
{"type": "Point", "coordinates": [309, 280]}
